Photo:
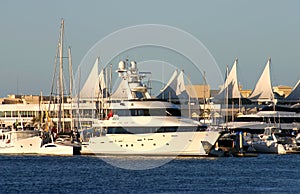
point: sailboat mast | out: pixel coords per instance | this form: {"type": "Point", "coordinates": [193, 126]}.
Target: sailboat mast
{"type": "Point", "coordinates": [40, 110]}
{"type": "Point", "coordinates": [226, 99]}
{"type": "Point", "coordinates": [78, 98]}
{"type": "Point", "coordinates": [70, 71]}
{"type": "Point", "coordinates": [61, 92]}
{"type": "Point", "coordinates": [110, 79]}
{"type": "Point", "coordinates": [70, 85]}
{"type": "Point", "coordinates": [239, 108]}
{"type": "Point", "coordinates": [204, 95]}
{"type": "Point", "coordinates": [106, 81]}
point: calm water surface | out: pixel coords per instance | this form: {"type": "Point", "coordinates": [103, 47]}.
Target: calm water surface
{"type": "Point", "coordinates": [78, 174]}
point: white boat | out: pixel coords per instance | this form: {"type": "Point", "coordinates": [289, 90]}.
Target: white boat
{"type": "Point", "coordinates": [262, 119]}
{"type": "Point", "coordinates": [268, 143]}
{"type": "Point", "coordinates": [261, 93]}
{"type": "Point", "coordinates": [20, 142]}
{"type": "Point", "coordinates": [59, 147]}
{"type": "Point", "coordinates": [137, 124]}
{"type": "Point", "coordinates": [56, 149]}
{"type": "Point", "coordinates": [62, 145]}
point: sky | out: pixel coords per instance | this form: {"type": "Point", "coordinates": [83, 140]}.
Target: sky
{"type": "Point", "coordinates": [250, 30]}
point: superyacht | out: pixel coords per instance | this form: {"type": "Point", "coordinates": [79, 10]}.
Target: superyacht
{"type": "Point", "coordinates": [134, 123]}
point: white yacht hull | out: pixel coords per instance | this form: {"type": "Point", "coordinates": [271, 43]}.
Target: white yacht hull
{"type": "Point", "coordinates": [23, 146]}
{"type": "Point", "coordinates": [249, 125]}
{"type": "Point", "coordinates": [158, 144]}
{"type": "Point", "coordinates": [269, 147]}
{"type": "Point", "coordinates": [259, 125]}
{"type": "Point", "coordinates": [56, 149]}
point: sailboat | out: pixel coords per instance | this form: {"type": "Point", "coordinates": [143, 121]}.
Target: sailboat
{"type": "Point", "coordinates": [64, 146]}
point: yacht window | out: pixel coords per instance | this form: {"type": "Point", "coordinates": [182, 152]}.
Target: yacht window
{"type": "Point", "coordinates": [174, 112]}
{"type": "Point", "coordinates": [133, 112]}
{"type": "Point", "coordinates": [7, 113]}
{"type": "Point", "coordinates": [288, 120]}
{"type": "Point", "coordinates": [250, 119]}
{"type": "Point", "coordinates": [122, 112]}
{"type": "Point", "coordinates": [117, 130]}
{"type": "Point", "coordinates": [49, 146]}
{"type": "Point", "coordinates": [15, 114]}
{"type": "Point", "coordinates": [141, 130]}
{"type": "Point", "coordinates": [148, 112]}
{"type": "Point", "coordinates": [31, 113]}
{"type": "Point", "coordinates": [138, 94]}
{"type": "Point", "coordinates": [157, 112]}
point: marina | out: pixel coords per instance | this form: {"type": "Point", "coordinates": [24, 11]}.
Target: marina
{"type": "Point", "coordinates": [149, 97]}
{"type": "Point", "coordinates": [130, 121]}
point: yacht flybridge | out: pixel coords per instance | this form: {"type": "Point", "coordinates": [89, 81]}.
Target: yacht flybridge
{"type": "Point", "coordinates": [137, 124]}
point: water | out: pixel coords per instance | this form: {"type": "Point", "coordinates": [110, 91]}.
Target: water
{"type": "Point", "coordinates": [87, 174]}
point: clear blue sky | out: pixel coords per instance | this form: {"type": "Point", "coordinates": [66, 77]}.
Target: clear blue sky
{"type": "Point", "coordinates": [250, 30]}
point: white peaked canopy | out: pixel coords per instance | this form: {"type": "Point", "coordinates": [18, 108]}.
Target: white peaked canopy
{"type": "Point", "coordinates": [123, 91]}
{"type": "Point", "coordinates": [181, 91]}
{"type": "Point", "coordinates": [180, 84]}
{"type": "Point", "coordinates": [294, 96]}
{"type": "Point", "coordinates": [169, 90]}
{"type": "Point", "coordinates": [230, 85]}
{"type": "Point", "coordinates": [263, 89]}
{"type": "Point", "coordinates": [94, 84]}
{"type": "Point", "coordinates": [101, 85]}
{"type": "Point", "coordinates": [175, 88]}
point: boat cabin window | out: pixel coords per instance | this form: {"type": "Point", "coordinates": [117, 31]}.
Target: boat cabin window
{"type": "Point", "coordinates": [50, 146]}
{"type": "Point", "coordinates": [138, 95]}
{"type": "Point", "coordinates": [141, 130]}
{"type": "Point", "coordinates": [269, 119]}
{"type": "Point", "coordinates": [148, 112]}
{"type": "Point", "coordinates": [7, 113]}
{"type": "Point", "coordinates": [165, 112]}
{"type": "Point", "coordinates": [249, 119]}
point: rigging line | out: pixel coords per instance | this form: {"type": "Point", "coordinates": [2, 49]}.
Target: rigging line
{"type": "Point", "coordinates": [54, 73]}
